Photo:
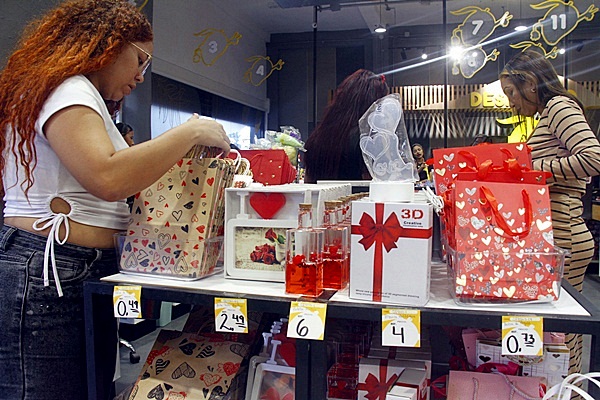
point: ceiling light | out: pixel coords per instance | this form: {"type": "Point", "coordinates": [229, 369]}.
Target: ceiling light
{"type": "Point", "coordinates": [520, 28]}
{"type": "Point", "coordinates": [380, 29]}
{"type": "Point", "coordinates": [424, 56]}
{"type": "Point", "coordinates": [562, 51]}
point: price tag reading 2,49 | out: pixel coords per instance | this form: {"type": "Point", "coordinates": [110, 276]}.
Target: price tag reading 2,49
{"type": "Point", "coordinates": [231, 315]}
{"type": "Point", "coordinates": [126, 301]}
{"type": "Point", "coordinates": [400, 328]}
{"type": "Point", "coordinates": [307, 320]}
{"type": "Point", "coordinates": [522, 335]}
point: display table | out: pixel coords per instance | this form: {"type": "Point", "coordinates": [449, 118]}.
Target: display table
{"type": "Point", "coordinates": [570, 313]}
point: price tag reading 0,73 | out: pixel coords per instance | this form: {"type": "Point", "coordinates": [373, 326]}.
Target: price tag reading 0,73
{"type": "Point", "coordinates": [522, 335]}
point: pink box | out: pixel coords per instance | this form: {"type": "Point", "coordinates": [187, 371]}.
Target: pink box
{"type": "Point", "coordinates": [391, 240]}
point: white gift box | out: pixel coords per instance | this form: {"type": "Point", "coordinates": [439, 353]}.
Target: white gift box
{"type": "Point", "coordinates": [413, 379]}
{"type": "Point", "coordinates": [554, 366]}
{"type": "Point", "coordinates": [390, 257]}
{"type": "Point", "coordinates": [250, 212]}
{"type": "Point", "coordinates": [376, 376]}
{"type": "Point", "coordinates": [402, 393]}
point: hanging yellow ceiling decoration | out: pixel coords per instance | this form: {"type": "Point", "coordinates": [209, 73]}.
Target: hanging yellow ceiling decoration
{"type": "Point", "coordinates": [262, 67]}
{"type": "Point", "coordinates": [560, 20]}
{"type": "Point", "coordinates": [214, 44]}
{"type": "Point", "coordinates": [478, 25]}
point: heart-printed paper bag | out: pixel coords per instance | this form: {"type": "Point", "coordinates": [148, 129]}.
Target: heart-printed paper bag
{"type": "Point", "coordinates": [189, 366]}
{"type": "Point", "coordinates": [174, 222]}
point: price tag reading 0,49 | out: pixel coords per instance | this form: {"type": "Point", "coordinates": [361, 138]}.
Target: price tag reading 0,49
{"type": "Point", "coordinates": [522, 335]}
{"type": "Point", "coordinates": [126, 301]}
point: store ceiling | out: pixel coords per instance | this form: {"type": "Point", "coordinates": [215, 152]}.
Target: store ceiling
{"type": "Point", "coordinates": [292, 16]}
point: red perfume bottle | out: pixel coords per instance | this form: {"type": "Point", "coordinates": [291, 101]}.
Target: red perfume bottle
{"type": "Point", "coordinates": [335, 262]}
{"type": "Point", "coordinates": [304, 256]}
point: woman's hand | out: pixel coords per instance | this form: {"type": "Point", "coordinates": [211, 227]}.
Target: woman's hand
{"type": "Point", "coordinates": [208, 132]}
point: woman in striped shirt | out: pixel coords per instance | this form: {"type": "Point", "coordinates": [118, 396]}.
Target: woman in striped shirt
{"type": "Point", "coordinates": [563, 144]}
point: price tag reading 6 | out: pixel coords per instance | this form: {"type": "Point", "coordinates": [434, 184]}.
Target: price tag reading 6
{"type": "Point", "coordinates": [126, 301]}
{"type": "Point", "coordinates": [307, 320]}
{"type": "Point", "coordinates": [522, 335]}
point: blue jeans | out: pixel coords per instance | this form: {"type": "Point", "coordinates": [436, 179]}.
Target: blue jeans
{"type": "Point", "coordinates": [42, 335]}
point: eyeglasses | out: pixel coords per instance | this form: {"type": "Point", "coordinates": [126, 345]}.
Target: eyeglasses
{"type": "Point", "coordinates": [143, 67]}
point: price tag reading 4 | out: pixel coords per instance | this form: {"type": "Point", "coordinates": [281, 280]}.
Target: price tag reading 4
{"type": "Point", "coordinates": [126, 301]}
{"type": "Point", "coordinates": [522, 335]}
{"type": "Point", "coordinates": [231, 315]}
{"type": "Point", "coordinates": [401, 328]}
{"type": "Point", "coordinates": [307, 320]}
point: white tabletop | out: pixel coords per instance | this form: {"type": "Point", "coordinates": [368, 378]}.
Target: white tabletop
{"type": "Point", "coordinates": [440, 297]}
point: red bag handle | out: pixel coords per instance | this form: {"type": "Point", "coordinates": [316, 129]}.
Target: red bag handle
{"type": "Point", "coordinates": [488, 197]}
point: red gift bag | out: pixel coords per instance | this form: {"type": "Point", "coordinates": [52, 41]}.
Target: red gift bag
{"type": "Point", "coordinates": [270, 167]}
{"type": "Point", "coordinates": [509, 172]}
{"type": "Point", "coordinates": [447, 163]}
{"type": "Point", "coordinates": [502, 249]}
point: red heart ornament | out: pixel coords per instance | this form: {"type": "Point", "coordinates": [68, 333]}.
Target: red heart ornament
{"type": "Point", "coordinates": [267, 204]}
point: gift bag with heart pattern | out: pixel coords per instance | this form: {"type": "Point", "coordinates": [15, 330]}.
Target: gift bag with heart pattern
{"type": "Point", "coordinates": [504, 247]}
{"type": "Point", "coordinates": [175, 224]}
{"type": "Point", "coordinates": [189, 366]}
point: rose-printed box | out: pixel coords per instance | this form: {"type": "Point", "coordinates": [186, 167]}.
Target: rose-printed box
{"type": "Point", "coordinates": [256, 220]}
{"type": "Point", "coordinates": [504, 248]}
{"type": "Point", "coordinates": [447, 163]}
{"type": "Point", "coordinates": [391, 240]}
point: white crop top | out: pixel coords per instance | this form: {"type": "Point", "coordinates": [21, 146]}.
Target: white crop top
{"type": "Point", "coordinates": [52, 179]}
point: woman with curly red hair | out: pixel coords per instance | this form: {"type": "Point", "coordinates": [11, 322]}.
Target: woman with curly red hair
{"type": "Point", "coordinates": [66, 173]}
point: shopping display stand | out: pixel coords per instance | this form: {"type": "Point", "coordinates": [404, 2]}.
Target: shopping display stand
{"type": "Point", "coordinates": [571, 313]}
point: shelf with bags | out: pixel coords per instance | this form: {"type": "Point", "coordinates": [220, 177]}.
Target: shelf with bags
{"type": "Point", "coordinates": [570, 313]}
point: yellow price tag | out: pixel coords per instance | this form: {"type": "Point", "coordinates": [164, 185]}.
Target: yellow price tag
{"type": "Point", "coordinates": [127, 301]}
{"type": "Point", "coordinates": [522, 335]}
{"type": "Point", "coordinates": [400, 327]}
{"type": "Point", "coordinates": [307, 320]}
{"type": "Point", "coordinates": [231, 315]}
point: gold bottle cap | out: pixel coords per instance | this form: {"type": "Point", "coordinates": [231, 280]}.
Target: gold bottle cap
{"type": "Point", "coordinates": [331, 204]}
{"type": "Point", "coordinates": [305, 206]}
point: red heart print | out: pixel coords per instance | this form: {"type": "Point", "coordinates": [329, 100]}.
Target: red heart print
{"type": "Point", "coordinates": [230, 368]}
{"type": "Point", "coordinates": [267, 204]}
{"type": "Point", "coordinates": [210, 181]}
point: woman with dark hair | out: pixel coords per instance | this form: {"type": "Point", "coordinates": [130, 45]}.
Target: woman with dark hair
{"type": "Point", "coordinates": [564, 145]}
{"type": "Point", "coordinates": [127, 132]}
{"type": "Point", "coordinates": [332, 149]}
{"type": "Point", "coordinates": [66, 173]}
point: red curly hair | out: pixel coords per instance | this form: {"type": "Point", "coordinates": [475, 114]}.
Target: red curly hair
{"type": "Point", "coordinates": [77, 37]}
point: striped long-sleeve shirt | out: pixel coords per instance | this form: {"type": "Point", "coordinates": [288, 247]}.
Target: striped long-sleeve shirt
{"type": "Point", "coordinates": [564, 145]}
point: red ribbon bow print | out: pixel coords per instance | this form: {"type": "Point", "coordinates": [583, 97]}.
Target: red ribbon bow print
{"type": "Point", "coordinates": [376, 389]}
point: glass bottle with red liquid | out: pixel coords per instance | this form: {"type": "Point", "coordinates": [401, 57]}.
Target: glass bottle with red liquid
{"type": "Point", "coordinates": [304, 256]}
{"type": "Point", "coordinates": [335, 248]}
